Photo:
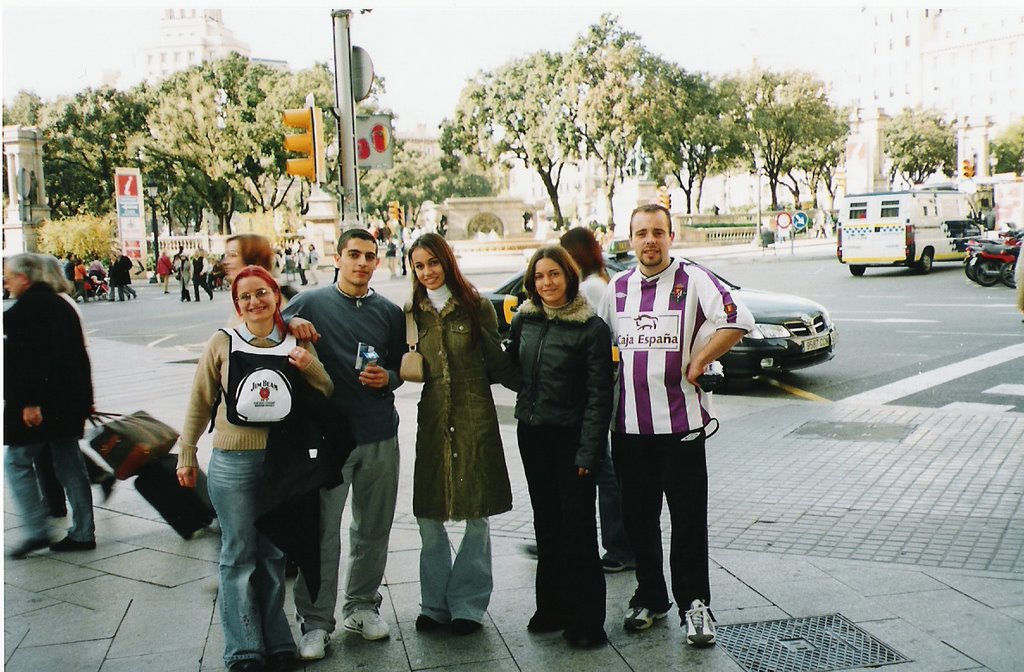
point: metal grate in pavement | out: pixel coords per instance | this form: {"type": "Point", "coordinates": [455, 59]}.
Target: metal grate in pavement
{"type": "Point", "coordinates": [815, 644]}
{"type": "Point", "coordinates": [856, 431]}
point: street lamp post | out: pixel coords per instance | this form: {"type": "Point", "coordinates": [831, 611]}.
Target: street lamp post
{"type": "Point", "coordinates": [152, 191]}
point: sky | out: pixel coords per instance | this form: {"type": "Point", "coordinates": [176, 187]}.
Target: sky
{"type": "Point", "coordinates": [427, 53]}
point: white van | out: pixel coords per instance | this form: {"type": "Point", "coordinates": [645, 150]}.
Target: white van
{"type": "Point", "coordinates": [899, 228]}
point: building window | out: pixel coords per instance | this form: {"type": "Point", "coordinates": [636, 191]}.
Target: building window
{"type": "Point", "coordinates": [906, 40]}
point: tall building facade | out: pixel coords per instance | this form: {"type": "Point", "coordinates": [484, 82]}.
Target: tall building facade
{"type": "Point", "coordinates": [188, 37]}
{"type": "Point", "coordinates": [961, 62]}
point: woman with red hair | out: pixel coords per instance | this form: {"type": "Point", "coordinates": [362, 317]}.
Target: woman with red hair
{"type": "Point", "coordinates": [256, 630]}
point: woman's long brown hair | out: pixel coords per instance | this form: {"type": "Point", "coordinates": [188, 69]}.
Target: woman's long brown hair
{"type": "Point", "coordinates": [463, 292]}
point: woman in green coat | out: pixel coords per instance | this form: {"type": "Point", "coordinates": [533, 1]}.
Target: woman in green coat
{"type": "Point", "coordinates": [460, 469]}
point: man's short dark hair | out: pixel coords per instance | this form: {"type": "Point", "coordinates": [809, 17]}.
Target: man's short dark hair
{"type": "Point", "coordinates": [349, 234]}
{"type": "Point", "coordinates": [650, 207]}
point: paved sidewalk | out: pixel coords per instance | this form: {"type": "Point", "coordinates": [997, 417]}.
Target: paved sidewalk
{"type": "Point", "coordinates": [909, 522]}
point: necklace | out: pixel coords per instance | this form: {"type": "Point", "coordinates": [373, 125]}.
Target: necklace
{"type": "Point", "coordinates": [357, 299]}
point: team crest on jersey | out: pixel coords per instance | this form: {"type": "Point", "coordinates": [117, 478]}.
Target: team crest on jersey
{"type": "Point", "coordinates": [648, 331]}
{"type": "Point", "coordinates": [678, 293]}
{"type": "Point", "coordinates": [730, 308]}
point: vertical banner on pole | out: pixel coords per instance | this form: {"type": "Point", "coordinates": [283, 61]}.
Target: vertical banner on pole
{"type": "Point", "coordinates": [131, 229]}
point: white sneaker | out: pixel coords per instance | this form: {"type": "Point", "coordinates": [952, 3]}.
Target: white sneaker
{"type": "Point", "coordinates": [700, 625]}
{"type": "Point", "coordinates": [367, 623]}
{"type": "Point", "coordinates": [313, 645]}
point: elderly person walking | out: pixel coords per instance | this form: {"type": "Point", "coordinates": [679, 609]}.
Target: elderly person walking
{"type": "Point", "coordinates": [47, 398]}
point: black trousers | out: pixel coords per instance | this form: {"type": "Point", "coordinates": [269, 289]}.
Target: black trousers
{"type": "Point", "coordinates": [652, 468]}
{"type": "Point", "coordinates": [570, 582]}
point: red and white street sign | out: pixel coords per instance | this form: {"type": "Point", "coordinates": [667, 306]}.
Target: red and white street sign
{"type": "Point", "coordinates": [783, 220]}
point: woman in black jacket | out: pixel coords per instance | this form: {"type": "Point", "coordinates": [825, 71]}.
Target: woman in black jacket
{"type": "Point", "coordinates": [563, 352]}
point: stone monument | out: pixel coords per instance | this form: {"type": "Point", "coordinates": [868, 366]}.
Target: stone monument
{"type": "Point", "coordinates": [26, 187]}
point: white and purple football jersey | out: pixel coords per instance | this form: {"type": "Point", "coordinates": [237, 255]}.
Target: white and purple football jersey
{"type": "Point", "coordinates": [657, 323]}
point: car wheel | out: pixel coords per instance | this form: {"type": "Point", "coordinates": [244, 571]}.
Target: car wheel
{"type": "Point", "coordinates": [857, 271]}
{"type": "Point", "coordinates": [924, 266]}
{"type": "Point", "coordinates": [987, 273]}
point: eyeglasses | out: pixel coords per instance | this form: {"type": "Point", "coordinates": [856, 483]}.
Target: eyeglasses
{"type": "Point", "coordinates": [260, 293]}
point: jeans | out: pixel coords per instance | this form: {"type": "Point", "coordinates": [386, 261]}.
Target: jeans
{"type": "Point", "coordinates": [461, 589]}
{"type": "Point", "coordinates": [251, 593]}
{"type": "Point", "coordinates": [570, 582]}
{"type": "Point", "coordinates": [70, 467]}
{"type": "Point", "coordinates": [651, 468]}
{"type": "Point", "coordinates": [371, 471]}
{"type": "Point", "coordinates": [609, 503]}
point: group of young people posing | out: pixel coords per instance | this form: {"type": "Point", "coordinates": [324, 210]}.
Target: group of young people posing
{"type": "Point", "coordinates": [570, 391]}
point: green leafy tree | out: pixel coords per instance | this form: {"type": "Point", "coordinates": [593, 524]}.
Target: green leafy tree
{"type": "Point", "coordinates": [688, 127]}
{"type": "Point", "coordinates": [416, 179]}
{"type": "Point", "coordinates": [88, 236]}
{"type": "Point", "coordinates": [516, 113]}
{"type": "Point", "coordinates": [1008, 148]}
{"type": "Point", "coordinates": [23, 110]}
{"type": "Point", "coordinates": [780, 111]}
{"type": "Point", "coordinates": [821, 152]}
{"type": "Point", "coordinates": [608, 68]}
{"type": "Point", "coordinates": [919, 144]}
{"type": "Point", "coordinates": [87, 136]}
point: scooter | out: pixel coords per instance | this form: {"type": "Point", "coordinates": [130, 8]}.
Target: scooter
{"type": "Point", "coordinates": [995, 262]}
{"type": "Point", "coordinates": [992, 263]}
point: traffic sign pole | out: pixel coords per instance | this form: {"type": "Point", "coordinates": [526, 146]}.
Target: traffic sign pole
{"type": "Point", "coordinates": [346, 109]}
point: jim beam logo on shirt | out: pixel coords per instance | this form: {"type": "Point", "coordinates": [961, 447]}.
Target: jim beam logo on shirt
{"type": "Point", "coordinates": [648, 331]}
{"type": "Point", "coordinates": [264, 387]}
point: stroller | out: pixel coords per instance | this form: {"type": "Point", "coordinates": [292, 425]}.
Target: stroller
{"type": "Point", "coordinates": [97, 287]}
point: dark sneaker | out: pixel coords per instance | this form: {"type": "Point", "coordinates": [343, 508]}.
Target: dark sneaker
{"type": "Point", "coordinates": [464, 626]}
{"type": "Point", "coordinates": [541, 623]}
{"type": "Point", "coordinates": [700, 625]}
{"type": "Point", "coordinates": [425, 623]}
{"type": "Point", "coordinates": [29, 546]}
{"type": "Point", "coordinates": [641, 618]}
{"type": "Point", "coordinates": [612, 566]}
{"type": "Point", "coordinates": [69, 544]}
{"type": "Point", "coordinates": [582, 638]}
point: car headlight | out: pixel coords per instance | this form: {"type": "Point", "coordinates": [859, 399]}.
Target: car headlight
{"type": "Point", "coordinates": [769, 331]}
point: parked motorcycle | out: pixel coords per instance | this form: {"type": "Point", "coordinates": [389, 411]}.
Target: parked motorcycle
{"type": "Point", "coordinates": [987, 263]}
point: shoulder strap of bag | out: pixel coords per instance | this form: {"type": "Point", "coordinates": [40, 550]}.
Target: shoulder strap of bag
{"type": "Point", "coordinates": [412, 336]}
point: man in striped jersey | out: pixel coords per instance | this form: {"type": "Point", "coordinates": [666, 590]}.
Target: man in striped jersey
{"type": "Point", "coordinates": [670, 321]}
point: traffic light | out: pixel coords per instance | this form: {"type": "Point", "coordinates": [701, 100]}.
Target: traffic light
{"type": "Point", "coordinates": [665, 198]}
{"type": "Point", "coordinates": [394, 211]}
{"type": "Point", "coordinates": [967, 169]}
{"type": "Point", "coordinates": [310, 143]}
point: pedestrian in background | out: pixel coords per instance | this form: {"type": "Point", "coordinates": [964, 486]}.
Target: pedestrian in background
{"type": "Point", "coordinates": [460, 472]}
{"type": "Point", "coordinates": [302, 263]}
{"type": "Point", "coordinates": [251, 589]}
{"type": "Point", "coordinates": [120, 275]}
{"type": "Point", "coordinates": [314, 261]}
{"type": "Point", "coordinates": [563, 353]}
{"type": "Point", "coordinates": [183, 271]}
{"type": "Point", "coordinates": [584, 249]}
{"type": "Point", "coordinates": [81, 277]}
{"type": "Point", "coordinates": [670, 319]}
{"type": "Point", "coordinates": [200, 267]}
{"type": "Point", "coordinates": [47, 398]}
{"type": "Point", "coordinates": [164, 269]}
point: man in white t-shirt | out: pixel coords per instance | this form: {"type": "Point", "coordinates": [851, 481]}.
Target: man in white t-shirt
{"type": "Point", "coordinates": [670, 320]}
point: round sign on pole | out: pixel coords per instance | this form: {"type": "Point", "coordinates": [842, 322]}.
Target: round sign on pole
{"type": "Point", "coordinates": [783, 220]}
{"type": "Point", "coordinates": [362, 73]}
{"type": "Point", "coordinates": [800, 221]}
